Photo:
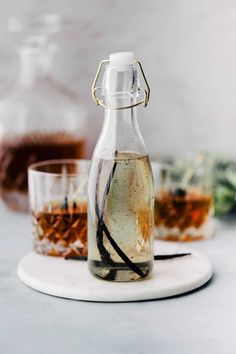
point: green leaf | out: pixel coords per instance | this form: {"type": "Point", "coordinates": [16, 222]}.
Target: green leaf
{"type": "Point", "coordinates": [224, 200]}
{"type": "Point", "coordinates": [231, 177]}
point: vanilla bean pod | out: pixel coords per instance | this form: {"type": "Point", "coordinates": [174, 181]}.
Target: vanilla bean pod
{"type": "Point", "coordinates": [162, 257]}
{"type": "Point", "coordinates": [107, 189]}
{"type": "Point", "coordinates": [122, 255]}
{"type": "Point", "coordinates": [157, 257]}
{"type": "Point", "coordinates": [103, 228]}
{"type": "Point", "coordinates": [105, 256]}
{"type": "Point", "coordinates": [65, 204]}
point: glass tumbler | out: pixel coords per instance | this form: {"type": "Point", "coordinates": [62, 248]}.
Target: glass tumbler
{"type": "Point", "coordinates": [58, 201]}
{"type": "Point", "coordinates": [183, 201]}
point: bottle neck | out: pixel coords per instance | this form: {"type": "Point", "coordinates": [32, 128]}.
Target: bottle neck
{"type": "Point", "coordinates": [121, 123]}
{"type": "Point", "coordinates": [120, 133]}
{"type": "Point", "coordinates": [33, 68]}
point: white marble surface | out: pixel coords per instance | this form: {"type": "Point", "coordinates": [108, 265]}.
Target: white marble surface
{"type": "Point", "coordinates": [188, 51]}
{"type": "Point", "coordinates": [72, 280]}
{"type": "Point", "coordinates": [200, 322]}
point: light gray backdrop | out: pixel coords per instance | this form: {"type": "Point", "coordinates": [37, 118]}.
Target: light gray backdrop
{"type": "Point", "coordinates": [188, 50]}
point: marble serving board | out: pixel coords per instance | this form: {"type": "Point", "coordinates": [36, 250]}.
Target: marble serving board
{"type": "Point", "coordinates": [71, 279]}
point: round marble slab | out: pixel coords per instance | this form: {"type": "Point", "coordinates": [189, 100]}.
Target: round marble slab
{"type": "Point", "coordinates": [71, 279]}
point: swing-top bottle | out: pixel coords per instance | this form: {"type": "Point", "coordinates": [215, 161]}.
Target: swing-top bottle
{"type": "Point", "coordinates": [120, 188]}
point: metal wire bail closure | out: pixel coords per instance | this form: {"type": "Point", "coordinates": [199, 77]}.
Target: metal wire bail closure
{"type": "Point", "coordinates": [146, 92]}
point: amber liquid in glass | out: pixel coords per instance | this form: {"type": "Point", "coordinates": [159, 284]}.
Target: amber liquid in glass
{"type": "Point", "coordinates": [16, 155]}
{"type": "Point", "coordinates": [182, 217]}
{"type": "Point", "coordinates": [61, 229]}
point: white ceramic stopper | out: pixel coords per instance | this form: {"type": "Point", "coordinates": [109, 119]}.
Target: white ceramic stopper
{"type": "Point", "coordinates": [121, 58]}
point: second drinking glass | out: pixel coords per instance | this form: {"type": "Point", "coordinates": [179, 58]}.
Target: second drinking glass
{"type": "Point", "coordinates": [183, 200]}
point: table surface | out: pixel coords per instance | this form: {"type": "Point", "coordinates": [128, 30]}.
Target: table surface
{"type": "Point", "coordinates": [201, 322]}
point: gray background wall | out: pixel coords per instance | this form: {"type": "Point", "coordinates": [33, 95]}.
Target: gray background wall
{"type": "Point", "coordinates": [188, 50]}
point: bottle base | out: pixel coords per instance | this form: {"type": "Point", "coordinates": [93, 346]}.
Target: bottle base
{"type": "Point", "coordinates": [119, 272]}
{"type": "Point", "coordinates": [189, 234]}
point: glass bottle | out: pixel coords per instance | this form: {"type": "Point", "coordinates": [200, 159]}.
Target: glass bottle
{"type": "Point", "coordinates": [39, 120]}
{"type": "Point", "coordinates": [120, 187]}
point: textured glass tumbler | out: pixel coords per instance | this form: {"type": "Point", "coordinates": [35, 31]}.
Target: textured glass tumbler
{"type": "Point", "coordinates": [58, 201]}
{"type": "Point", "coordinates": [183, 201]}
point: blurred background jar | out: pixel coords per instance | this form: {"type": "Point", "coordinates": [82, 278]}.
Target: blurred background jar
{"type": "Point", "coordinates": [183, 200]}
{"type": "Point", "coordinates": [40, 119]}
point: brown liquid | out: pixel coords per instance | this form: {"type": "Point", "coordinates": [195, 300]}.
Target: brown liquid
{"type": "Point", "coordinates": [61, 231]}
{"type": "Point", "coordinates": [16, 155]}
{"type": "Point", "coordinates": [182, 213]}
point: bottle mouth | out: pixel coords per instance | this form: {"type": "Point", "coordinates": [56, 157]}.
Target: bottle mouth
{"type": "Point", "coordinates": [120, 81]}
{"type": "Point", "coordinates": [36, 45]}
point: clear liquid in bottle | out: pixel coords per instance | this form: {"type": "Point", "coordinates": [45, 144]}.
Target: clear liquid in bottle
{"type": "Point", "coordinates": [125, 205]}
